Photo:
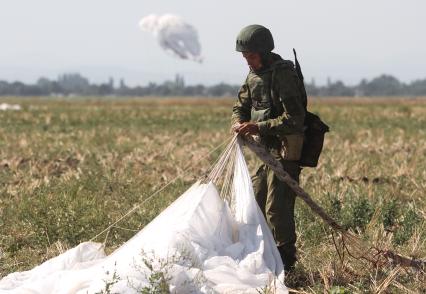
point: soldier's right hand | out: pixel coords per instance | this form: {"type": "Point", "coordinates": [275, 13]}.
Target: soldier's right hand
{"type": "Point", "coordinates": [235, 127]}
{"type": "Point", "coordinates": [247, 128]}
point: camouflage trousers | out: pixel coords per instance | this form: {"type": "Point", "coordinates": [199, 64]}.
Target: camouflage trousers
{"type": "Point", "coordinates": [276, 200]}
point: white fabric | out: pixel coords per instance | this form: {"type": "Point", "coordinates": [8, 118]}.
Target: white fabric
{"type": "Point", "coordinates": [197, 242]}
{"type": "Point", "coordinates": [174, 35]}
{"type": "Point", "coordinates": [6, 106]}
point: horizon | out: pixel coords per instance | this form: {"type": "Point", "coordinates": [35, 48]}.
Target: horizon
{"type": "Point", "coordinates": [159, 80]}
{"type": "Point", "coordinates": [116, 81]}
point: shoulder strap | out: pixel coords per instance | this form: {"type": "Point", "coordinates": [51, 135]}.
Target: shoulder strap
{"type": "Point", "coordinates": [275, 66]}
{"type": "Point", "coordinates": [271, 84]}
{"type": "Point", "coordinates": [298, 70]}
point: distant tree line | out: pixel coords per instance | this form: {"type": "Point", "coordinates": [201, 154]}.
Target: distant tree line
{"type": "Point", "coordinates": [384, 85]}
{"type": "Point", "coordinates": [75, 84]}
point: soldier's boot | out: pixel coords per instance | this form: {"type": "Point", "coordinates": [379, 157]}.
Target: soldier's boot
{"type": "Point", "coordinates": [288, 256]}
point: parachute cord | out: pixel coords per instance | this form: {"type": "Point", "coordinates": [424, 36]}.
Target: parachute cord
{"type": "Point", "coordinates": [133, 209]}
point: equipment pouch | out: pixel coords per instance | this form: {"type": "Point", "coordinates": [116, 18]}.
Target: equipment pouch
{"type": "Point", "coordinates": [314, 140]}
{"type": "Point", "coordinates": [291, 147]}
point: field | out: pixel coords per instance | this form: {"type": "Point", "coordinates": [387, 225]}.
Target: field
{"type": "Point", "coordinates": [70, 167]}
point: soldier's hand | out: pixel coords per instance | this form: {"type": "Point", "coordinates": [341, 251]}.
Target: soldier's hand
{"type": "Point", "coordinates": [247, 128]}
{"type": "Point", "coordinates": [234, 127]}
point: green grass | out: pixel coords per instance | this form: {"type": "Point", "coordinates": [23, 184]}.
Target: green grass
{"type": "Point", "coordinates": [69, 168]}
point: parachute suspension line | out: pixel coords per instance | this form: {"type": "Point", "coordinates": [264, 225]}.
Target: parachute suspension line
{"type": "Point", "coordinates": [232, 141]}
{"type": "Point", "coordinates": [221, 164]}
{"type": "Point", "coordinates": [222, 168]}
{"type": "Point", "coordinates": [226, 191]}
{"type": "Point", "coordinates": [215, 165]}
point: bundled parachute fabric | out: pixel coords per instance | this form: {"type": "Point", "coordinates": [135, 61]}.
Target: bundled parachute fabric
{"type": "Point", "coordinates": [207, 241]}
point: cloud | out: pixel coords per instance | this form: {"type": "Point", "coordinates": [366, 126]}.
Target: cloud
{"type": "Point", "coordinates": [174, 35]}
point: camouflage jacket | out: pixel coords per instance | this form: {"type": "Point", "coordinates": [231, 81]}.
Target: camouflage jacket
{"type": "Point", "coordinates": [272, 98]}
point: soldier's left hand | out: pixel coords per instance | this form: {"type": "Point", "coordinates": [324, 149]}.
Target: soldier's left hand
{"type": "Point", "coordinates": [247, 128]}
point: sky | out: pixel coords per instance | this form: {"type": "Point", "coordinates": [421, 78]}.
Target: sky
{"type": "Point", "coordinates": [338, 39]}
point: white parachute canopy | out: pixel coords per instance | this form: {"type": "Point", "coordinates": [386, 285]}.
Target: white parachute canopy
{"type": "Point", "coordinates": [209, 240]}
{"type": "Point", "coordinates": [174, 35]}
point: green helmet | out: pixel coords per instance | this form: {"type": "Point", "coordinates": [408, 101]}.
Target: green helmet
{"type": "Point", "coordinates": [255, 38]}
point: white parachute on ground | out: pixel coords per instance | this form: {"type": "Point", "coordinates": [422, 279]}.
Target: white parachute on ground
{"type": "Point", "coordinates": [174, 35]}
{"type": "Point", "coordinates": [7, 106]}
{"type": "Point", "coordinates": [205, 242]}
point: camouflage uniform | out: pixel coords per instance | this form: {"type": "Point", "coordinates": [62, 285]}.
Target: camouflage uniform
{"type": "Point", "coordinates": [272, 97]}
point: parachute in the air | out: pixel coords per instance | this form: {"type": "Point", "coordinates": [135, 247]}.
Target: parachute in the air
{"type": "Point", "coordinates": [174, 35]}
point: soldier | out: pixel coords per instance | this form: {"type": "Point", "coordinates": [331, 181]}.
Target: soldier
{"type": "Point", "coordinates": [271, 105]}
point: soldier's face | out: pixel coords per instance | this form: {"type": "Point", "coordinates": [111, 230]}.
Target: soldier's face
{"type": "Point", "coordinates": [253, 60]}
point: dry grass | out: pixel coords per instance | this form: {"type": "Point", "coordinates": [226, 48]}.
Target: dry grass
{"type": "Point", "coordinates": [70, 167]}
